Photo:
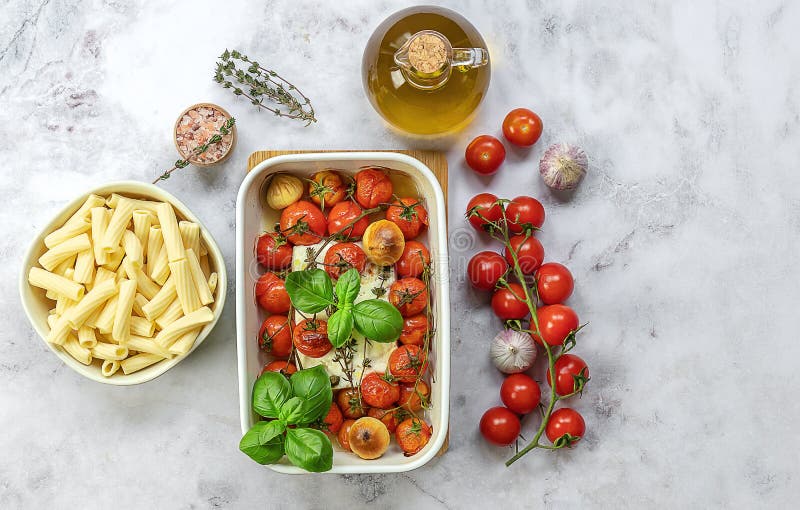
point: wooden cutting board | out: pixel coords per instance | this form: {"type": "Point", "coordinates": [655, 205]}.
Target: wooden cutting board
{"type": "Point", "coordinates": [434, 160]}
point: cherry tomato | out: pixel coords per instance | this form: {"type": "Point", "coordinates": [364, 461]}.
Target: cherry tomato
{"type": "Point", "coordinates": [554, 283]}
{"type": "Point", "coordinates": [344, 433]}
{"type": "Point", "coordinates": [271, 293]}
{"type": "Point", "coordinates": [500, 426]}
{"type": "Point", "coordinates": [303, 223]}
{"type": "Point", "coordinates": [485, 154]}
{"type": "Point", "coordinates": [373, 187]}
{"type": "Point", "coordinates": [413, 260]}
{"type": "Point", "coordinates": [530, 253]}
{"type": "Point", "coordinates": [281, 366]}
{"type": "Point", "coordinates": [326, 188]}
{"type": "Point", "coordinates": [333, 420]}
{"type": "Point", "coordinates": [378, 390]}
{"type": "Point", "coordinates": [412, 435]}
{"type": "Point", "coordinates": [568, 367]}
{"type": "Point", "coordinates": [273, 251]}
{"type": "Point", "coordinates": [407, 362]}
{"type": "Point", "coordinates": [507, 304]}
{"type": "Point", "coordinates": [350, 403]}
{"type": "Point", "coordinates": [565, 421]}
{"type": "Point", "coordinates": [311, 338]}
{"type": "Point", "coordinates": [485, 269]}
{"type": "Point", "coordinates": [275, 336]}
{"type": "Point", "coordinates": [344, 214]}
{"type": "Point", "coordinates": [390, 417]}
{"type": "Point", "coordinates": [409, 295]}
{"type": "Point", "coordinates": [524, 214]}
{"type": "Point", "coordinates": [483, 208]}
{"type": "Point", "coordinates": [414, 396]}
{"type": "Point", "coordinates": [555, 323]}
{"type": "Point", "coordinates": [414, 330]}
{"type": "Point", "coordinates": [520, 393]}
{"type": "Point", "coordinates": [409, 215]}
{"type": "Point", "coordinates": [343, 256]}
{"type": "Point", "coordinates": [522, 127]}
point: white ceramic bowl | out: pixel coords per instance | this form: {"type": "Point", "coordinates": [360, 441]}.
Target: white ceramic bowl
{"type": "Point", "coordinates": [37, 306]}
{"type": "Point", "coordinates": [252, 218]}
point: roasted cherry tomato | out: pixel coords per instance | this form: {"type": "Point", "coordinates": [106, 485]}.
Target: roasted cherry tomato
{"type": "Point", "coordinates": [407, 362]}
{"type": "Point", "coordinates": [483, 208]}
{"type": "Point", "coordinates": [412, 435]}
{"type": "Point", "coordinates": [522, 127]}
{"type": "Point", "coordinates": [485, 269]}
{"type": "Point", "coordinates": [341, 218]}
{"type": "Point", "coordinates": [414, 396]}
{"type": "Point", "coordinates": [281, 366]}
{"type": "Point", "coordinates": [350, 403]}
{"type": "Point", "coordinates": [273, 251]}
{"type": "Point", "coordinates": [389, 417]}
{"type": "Point", "coordinates": [524, 214]}
{"type": "Point", "coordinates": [379, 390]}
{"type": "Point", "coordinates": [554, 283]}
{"type": "Point", "coordinates": [414, 330]}
{"type": "Point", "coordinates": [311, 338]}
{"type": "Point", "coordinates": [500, 426]}
{"type": "Point", "coordinates": [565, 421]}
{"type": "Point", "coordinates": [530, 253]}
{"type": "Point", "coordinates": [271, 293]}
{"type": "Point", "coordinates": [344, 433]}
{"type": "Point", "coordinates": [413, 261]}
{"type": "Point", "coordinates": [303, 223]}
{"type": "Point", "coordinates": [509, 303]}
{"type": "Point", "coordinates": [275, 336]}
{"type": "Point", "coordinates": [333, 420]}
{"type": "Point", "coordinates": [520, 393]}
{"type": "Point", "coordinates": [555, 323]}
{"type": "Point", "coordinates": [485, 154]}
{"type": "Point", "coordinates": [409, 215]}
{"type": "Point", "coordinates": [409, 295]}
{"type": "Point", "coordinates": [342, 257]}
{"type": "Point", "coordinates": [327, 188]}
{"type": "Point", "coordinates": [373, 188]}
{"type": "Point", "coordinates": [570, 369]}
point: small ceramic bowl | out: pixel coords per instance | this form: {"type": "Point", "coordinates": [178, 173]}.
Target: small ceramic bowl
{"type": "Point", "coordinates": [227, 153]}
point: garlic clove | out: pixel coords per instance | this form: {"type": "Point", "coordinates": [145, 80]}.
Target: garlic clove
{"type": "Point", "coordinates": [563, 166]}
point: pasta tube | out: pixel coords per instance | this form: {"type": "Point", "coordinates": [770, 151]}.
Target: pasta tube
{"type": "Point", "coordinates": [57, 284]}
{"type": "Point", "coordinates": [146, 286]}
{"type": "Point", "coordinates": [105, 321]}
{"type": "Point", "coordinates": [114, 259]}
{"type": "Point", "coordinates": [184, 286]}
{"type": "Point", "coordinates": [190, 235]}
{"type": "Point", "coordinates": [172, 332]}
{"type": "Point", "coordinates": [84, 267]}
{"type": "Point", "coordinates": [109, 367]}
{"type": "Point", "coordinates": [147, 205]}
{"type": "Point", "coordinates": [57, 254]}
{"type": "Point", "coordinates": [160, 267]}
{"type": "Point", "coordinates": [108, 351]}
{"type": "Point", "coordinates": [86, 337]}
{"type": "Point", "coordinates": [74, 348]}
{"type": "Point", "coordinates": [133, 248]}
{"type": "Point", "coordinates": [138, 304]}
{"type": "Point", "coordinates": [121, 329]}
{"type": "Point", "coordinates": [66, 232]}
{"type": "Point", "coordinates": [138, 362]}
{"type": "Point", "coordinates": [100, 217]}
{"type": "Point", "coordinates": [155, 242]}
{"type": "Point", "coordinates": [148, 345]}
{"type": "Point", "coordinates": [161, 300]}
{"type": "Point", "coordinates": [142, 327]}
{"type": "Point", "coordinates": [184, 344]}
{"type": "Point", "coordinates": [201, 284]}
{"type": "Point", "coordinates": [117, 224]}
{"type": "Point", "coordinates": [82, 213]}
{"type": "Point", "coordinates": [90, 302]}
{"type": "Point", "coordinates": [141, 226]}
{"type": "Point", "coordinates": [170, 315]}
{"type": "Point", "coordinates": [170, 231]}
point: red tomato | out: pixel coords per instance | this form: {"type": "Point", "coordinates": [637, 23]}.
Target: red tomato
{"type": "Point", "coordinates": [413, 397]}
{"type": "Point", "coordinates": [326, 188]}
{"type": "Point", "coordinates": [414, 330]}
{"type": "Point", "coordinates": [343, 256]}
{"type": "Point", "coordinates": [485, 154]}
{"type": "Point", "coordinates": [483, 208]}
{"type": "Point", "coordinates": [373, 188]}
{"type": "Point", "coordinates": [565, 421]}
{"type": "Point", "coordinates": [380, 391]}
{"type": "Point", "coordinates": [413, 260]}
{"type": "Point", "coordinates": [407, 362]}
{"type": "Point", "coordinates": [409, 295]}
{"type": "Point", "coordinates": [554, 283]}
{"type": "Point", "coordinates": [311, 338]}
{"type": "Point", "coordinates": [344, 434]}
{"type": "Point", "coordinates": [281, 366]}
{"type": "Point", "coordinates": [500, 426]}
{"type": "Point", "coordinates": [485, 269]}
{"type": "Point", "coordinates": [271, 294]}
{"type": "Point", "coordinates": [520, 393]}
{"type": "Point", "coordinates": [273, 251]}
{"type": "Point", "coordinates": [522, 127]}
{"type": "Point", "coordinates": [303, 223]}
{"type": "Point", "coordinates": [524, 214]}
{"type": "Point", "coordinates": [510, 305]}
{"type": "Point", "coordinates": [530, 253]}
{"type": "Point", "coordinates": [412, 435]}
{"type": "Point", "coordinates": [341, 218]}
{"type": "Point", "coordinates": [275, 336]}
{"type": "Point", "coordinates": [333, 420]}
{"type": "Point", "coordinates": [568, 368]}
{"type": "Point", "coordinates": [409, 215]}
{"type": "Point", "coordinates": [350, 403]}
{"type": "Point", "coordinates": [555, 323]}
{"type": "Point", "coordinates": [390, 417]}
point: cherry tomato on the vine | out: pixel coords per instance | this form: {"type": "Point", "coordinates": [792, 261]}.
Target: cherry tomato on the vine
{"type": "Point", "coordinates": [273, 251]}
{"type": "Point", "coordinates": [500, 426]}
{"type": "Point", "coordinates": [303, 223]}
{"type": "Point", "coordinates": [281, 366]}
{"type": "Point", "coordinates": [344, 214]}
{"type": "Point", "coordinates": [555, 323]}
{"type": "Point", "coordinates": [565, 421]}
{"type": "Point", "coordinates": [508, 303]}
{"type": "Point", "coordinates": [407, 362]}
{"type": "Point", "coordinates": [379, 390]}
{"type": "Point", "coordinates": [275, 336]}
{"type": "Point", "coordinates": [342, 257]}
{"type": "Point", "coordinates": [409, 215]}
{"type": "Point", "coordinates": [271, 293]}
{"type": "Point", "coordinates": [327, 188]}
{"type": "Point", "coordinates": [333, 420]}
{"type": "Point", "coordinates": [373, 187]}
{"type": "Point", "coordinates": [524, 214]}
{"type": "Point", "coordinates": [482, 208]}
{"type": "Point", "coordinates": [414, 330]}
{"type": "Point", "coordinates": [409, 296]}
{"type": "Point", "coordinates": [520, 393]}
{"type": "Point", "coordinates": [351, 405]}
{"type": "Point", "coordinates": [529, 250]}
{"type": "Point", "coordinates": [554, 283]}
{"type": "Point", "coordinates": [485, 154]}
{"type": "Point", "coordinates": [413, 260]}
{"type": "Point", "coordinates": [311, 338]}
{"type": "Point", "coordinates": [522, 127]}
{"type": "Point", "coordinates": [570, 369]}
{"type": "Point", "coordinates": [412, 435]}
{"type": "Point", "coordinates": [485, 269]}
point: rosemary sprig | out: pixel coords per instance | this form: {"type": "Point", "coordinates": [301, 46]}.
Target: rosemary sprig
{"type": "Point", "coordinates": [216, 138]}
{"type": "Point", "coordinates": [259, 84]}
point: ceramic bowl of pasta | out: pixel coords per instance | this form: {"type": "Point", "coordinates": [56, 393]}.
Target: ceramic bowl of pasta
{"type": "Point", "coordinates": [123, 283]}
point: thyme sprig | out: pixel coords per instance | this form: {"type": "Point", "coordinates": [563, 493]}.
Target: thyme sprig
{"type": "Point", "coordinates": [225, 129]}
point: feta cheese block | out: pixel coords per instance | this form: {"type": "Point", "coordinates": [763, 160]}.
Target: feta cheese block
{"type": "Point", "coordinates": [377, 353]}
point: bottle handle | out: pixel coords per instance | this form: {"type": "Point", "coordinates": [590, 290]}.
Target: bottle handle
{"type": "Point", "coordinates": [469, 58]}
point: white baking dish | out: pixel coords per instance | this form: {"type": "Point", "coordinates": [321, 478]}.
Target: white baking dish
{"type": "Point", "coordinates": [252, 218]}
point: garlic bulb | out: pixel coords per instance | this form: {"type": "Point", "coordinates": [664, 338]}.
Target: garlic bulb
{"type": "Point", "coordinates": [383, 243]}
{"type": "Point", "coordinates": [284, 190]}
{"type": "Point", "coordinates": [563, 166]}
{"type": "Point", "coordinates": [512, 351]}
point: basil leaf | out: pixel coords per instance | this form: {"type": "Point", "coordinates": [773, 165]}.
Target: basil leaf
{"type": "Point", "coordinates": [340, 327]}
{"type": "Point", "coordinates": [269, 432]}
{"type": "Point", "coordinates": [378, 320]}
{"type": "Point", "coordinates": [270, 392]}
{"type": "Point", "coordinates": [263, 452]}
{"type": "Point", "coordinates": [347, 287]}
{"type": "Point", "coordinates": [313, 386]}
{"type": "Point", "coordinates": [292, 411]}
{"type": "Point", "coordinates": [309, 449]}
{"type": "Point", "coordinates": [311, 291]}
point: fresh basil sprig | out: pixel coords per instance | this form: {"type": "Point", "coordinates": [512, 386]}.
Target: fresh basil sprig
{"type": "Point", "coordinates": [303, 400]}
{"type": "Point", "coordinates": [312, 291]}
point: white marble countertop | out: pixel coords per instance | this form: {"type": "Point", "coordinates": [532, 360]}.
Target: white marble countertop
{"type": "Point", "coordinates": [683, 240]}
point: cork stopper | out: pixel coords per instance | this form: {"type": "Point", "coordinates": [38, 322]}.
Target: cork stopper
{"type": "Point", "coordinates": [427, 53]}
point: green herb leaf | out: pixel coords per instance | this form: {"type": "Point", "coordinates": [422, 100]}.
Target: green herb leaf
{"type": "Point", "coordinates": [309, 449]}
{"type": "Point", "coordinates": [313, 386]}
{"type": "Point", "coordinates": [273, 429]}
{"type": "Point", "coordinates": [311, 291]}
{"type": "Point", "coordinates": [340, 326]}
{"type": "Point", "coordinates": [270, 392]}
{"type": "Point", "coordinates": [263, 452]}
{"type": "Point", "coordinates": [348, 286]}
{"type": "Point", "coordinates": [291, 413]}
{"type": "Point", "coordinates": [378, 320]}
